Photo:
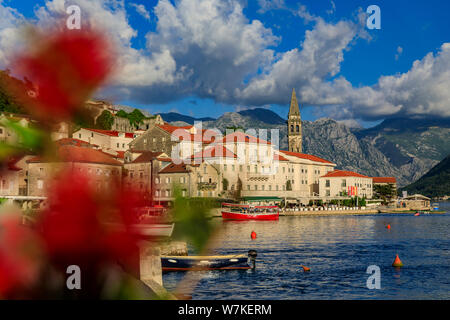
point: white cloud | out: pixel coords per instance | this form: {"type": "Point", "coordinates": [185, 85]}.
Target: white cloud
{"type": "Point", "coordinates": [268, 5]}
{"type": "Point", "coordinates": [10, 34]}
{"type": "Point", "coordinates": [399, 52]}
{"type": "Point", "coordinates": [140, 8]}
{"type": "Point", "coordinates": [210, 49]}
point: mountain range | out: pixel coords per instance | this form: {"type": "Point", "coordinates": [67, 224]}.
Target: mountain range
{"type": "Point", "coordinates": [435, 183]}
{"type": "Point", "coordinates": [401, 147]}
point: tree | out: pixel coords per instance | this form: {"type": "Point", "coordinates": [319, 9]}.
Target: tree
{"type": "Point", "coordinates": [225, 184]}
{"type": "Point", "coordinates": [288, 185]}
{"type": "Point", "coordinates": [122, 114]}
{"type": "Point", "coordinates": [105, 120]}
{"type": "Point", "coordinates": [237, 193]}
{"type": "Point", "coordinates": [136, 117]}
{"type": "Point", "coordinates": [8, 102]}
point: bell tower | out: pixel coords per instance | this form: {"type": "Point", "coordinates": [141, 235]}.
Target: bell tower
{"type": "Point", "coordinates": [294, 126]}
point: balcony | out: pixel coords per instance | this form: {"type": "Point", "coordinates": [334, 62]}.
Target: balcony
{"type": "Point", "coordinates": [206, 185]}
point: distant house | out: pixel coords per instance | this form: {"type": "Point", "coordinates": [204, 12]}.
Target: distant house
{"type": "Point", "coordinates": [385, 181]}
{"type": "Point", "coordinates": [99, 166]}
{"type": "Point", "coordinates": [105, 139]}
{"type": "Point", "coordinates": [416, 202]}
{"type": "Point", "coordinates": [340, 182]}
{"type": "Point", "coordinates": [14, 176]}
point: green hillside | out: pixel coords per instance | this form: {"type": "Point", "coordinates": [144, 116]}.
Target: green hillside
{"type": "Point", "coordinates": [435, 182]}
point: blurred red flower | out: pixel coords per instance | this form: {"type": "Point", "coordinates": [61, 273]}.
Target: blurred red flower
{"type": "Point", "coordinates": [81, 226]}
{"type": "Point", "coordinates": [62, 72]}
{"type": "Point", "coordinates": [20, 256]}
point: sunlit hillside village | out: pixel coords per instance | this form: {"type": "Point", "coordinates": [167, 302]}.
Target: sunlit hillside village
{"type": "Point", "coordinates": [154, 156]}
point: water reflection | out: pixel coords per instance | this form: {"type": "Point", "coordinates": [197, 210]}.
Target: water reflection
{"type": "Point", "coordinates": [338, 250]}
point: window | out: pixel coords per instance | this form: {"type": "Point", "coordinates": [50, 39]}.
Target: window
{"type": "Point", "coordinates": [232, 167]}
{"type": "Point", "coordinates": [141, 175]}
{"type": "Point", "coordinates": [344, 183]}
{"type": "Point", "coordinates": [262, 187]}
{"type": "Point", "coordinates": [167, 180]}
{"type": "Point", "coordinates": [327, 183]}
{"type": "Point", "coordinates": [183, 193]}
{"type": "Point", "coordinates": [167, 193]}
{"type": "Point", "coordinates": [327, 193]}
{"type": "Point", "coordinates": [240, 167]}
{"type": "Point", "coordinates": [270, 187]}
{"type": "Point", "coordinates": [40, 184]}
{"type": "Point", "coordinates": [256, 187]}
{"type": "Point", "coordinates": [118, 145]}
{"type": "Point", "coordinates": [297, 128]}
{"type": "Point", "coordinates": [156, 180]}
{"type": "Point", "coordinates": [157, 193]}
{"type": "Point", "coordinates": [79, 135]}
{"type": "Point", "coordinates": [248, 187]}
{"type": "Point", "coordinates": [204, 169]}
{"type": "Point", "coordinates": [224, 167]}
{"type": "Point", "coordinates": [292, 128]}
{"type": "Point", "coordinates": [276, 187]}
{"type": "Point", "coordinates": [41, 169]}
{"type": "Point", "coordinates": [123, 145]}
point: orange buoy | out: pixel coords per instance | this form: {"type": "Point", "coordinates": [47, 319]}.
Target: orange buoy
{"type": "Point", "coordinates": [417, 214]}
{"type": "Point", "coordinates": [397, 262]}
{"type": "Point", "coordinates": [253, 235]}
{"type": "Point", "coordinates": [388, 226]}
{"type": "Point", "coordinates": [305, 269]}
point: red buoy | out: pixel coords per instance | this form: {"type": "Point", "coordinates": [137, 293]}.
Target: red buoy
{"type": "Point", "coordinates": [253, 235]}
{"type": "Point", "coordinates": [397, 262]}
{"type": "Point", "coordinates": [305, 269]}
{"type": "Point", "coordinates": [388, 226]}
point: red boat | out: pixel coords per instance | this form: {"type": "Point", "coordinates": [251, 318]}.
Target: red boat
{"type": "Point", "coordinates": [247, 212]}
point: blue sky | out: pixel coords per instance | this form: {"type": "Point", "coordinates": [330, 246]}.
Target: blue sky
{"type": "Point", "coordinates": [344, 84]}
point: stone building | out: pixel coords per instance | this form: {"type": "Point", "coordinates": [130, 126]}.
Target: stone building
{"type": "Point", "coordinates": [294, 126]}
{"type": "Point", "coordinates": [340, 183]}
{"type": "Point", "coordinates": [194, 180]}
{"type": "Point", "coordinates": [386, 181]}
{"type": "Point", "coordinates": [106, 139]}
{"type": "Point", "coordinates": [7, 134]}
{"type": "Point", "coordinates": [102, 170]}
{"type": "Point", "coordinates": [142, 171]}
{"type": "Point", "coordinates": [14, 176]}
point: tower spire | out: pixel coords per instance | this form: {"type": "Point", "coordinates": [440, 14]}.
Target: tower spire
{"type": "Point", "coordinates": [294, 125]}
{"type": "Point", "coordinates": [294, 109]}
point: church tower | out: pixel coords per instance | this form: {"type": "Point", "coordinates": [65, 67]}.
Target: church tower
{"type": "Point", "coordinates": [294, 125]}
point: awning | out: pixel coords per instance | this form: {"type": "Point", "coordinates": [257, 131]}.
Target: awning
{"type": "Point", "coordinates": [261, 198]}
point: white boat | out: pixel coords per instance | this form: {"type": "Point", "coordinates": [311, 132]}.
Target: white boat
{"type": "Point", "coordinates": [147, 230]}
{"type": "Point", "coordinates": [153, 230]}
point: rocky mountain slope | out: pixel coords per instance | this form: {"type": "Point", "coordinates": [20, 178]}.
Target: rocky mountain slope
{"type": "Point", "coordinates": [403, 148]}
{"type": "Point", "coordinates": [434, 183]}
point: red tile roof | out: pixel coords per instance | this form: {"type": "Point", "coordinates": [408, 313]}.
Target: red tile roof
{"type": "Point", "coordinates": [239, 136]}
{"type": "Point", "coordinates": [74, 142]}
{"type": "Point", "coordinates": [111, 133]}
{"type": "Point", "coordinates": [305, 156]}
{"type": "Point", "coordinates": [146, 156]}
{"type": "Point", "coordinates": [343, 173]}
{"type": "Point", "coordinates": [384, 180]}
{"type": "Point", "coordinates": [175, 168]}
{"type": "Point", "coordinates": [80, 154]}
{"type": "Point", "coordinates": [279, 157]}
{"type": "Point", "coordinates": [192, 137]}
{"type": "Point", "coordinates": [217, 151]}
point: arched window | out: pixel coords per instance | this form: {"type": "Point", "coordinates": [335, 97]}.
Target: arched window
{"type": "Point", "coordinates": [297, 128]}
{"type": "Point", "coordinates": [292, 128]}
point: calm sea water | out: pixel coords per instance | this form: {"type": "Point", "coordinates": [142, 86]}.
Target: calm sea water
{"type": "Point", "coordinates": [338, 249]}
